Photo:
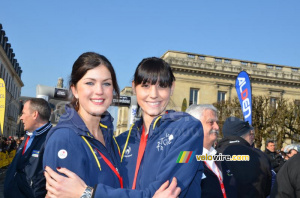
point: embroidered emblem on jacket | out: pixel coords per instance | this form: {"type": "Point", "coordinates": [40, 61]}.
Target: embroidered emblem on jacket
{"type": "Point", "coordinates": [164, 142]}
{"type": "Point", "coordinates": [128, 152]}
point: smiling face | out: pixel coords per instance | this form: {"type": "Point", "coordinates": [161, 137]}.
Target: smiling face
{"type": "Point", "coordinates": [94, 92]}
{"type": "Point", "coordinates": [153, 99]}
{"type": "Point", "coordinates": [209, 121]}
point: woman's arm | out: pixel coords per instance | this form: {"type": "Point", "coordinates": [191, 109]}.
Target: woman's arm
{"type": "Point", "coordinates": [72, 186]}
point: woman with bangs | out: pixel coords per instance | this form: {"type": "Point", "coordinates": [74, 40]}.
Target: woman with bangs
{"type": "Point", "coordinates": [151, 149]}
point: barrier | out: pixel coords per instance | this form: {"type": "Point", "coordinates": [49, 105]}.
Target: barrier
{"type": "Point", "coordinates": [6, 158]}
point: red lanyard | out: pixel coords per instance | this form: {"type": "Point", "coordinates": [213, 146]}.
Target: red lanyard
{"type": "Point", "coordinates": [28, 137]}
{"type": "Point", "coordinates": [220, 179]}
{"type": "Point", "coordinates": [112, 168]}
{"type": "Point", "coordinates": [142, 147]}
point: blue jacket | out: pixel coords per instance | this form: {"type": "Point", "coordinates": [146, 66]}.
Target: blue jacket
{"type": "Point", "coordinates": [25, 175]}
{"type": "Point", "coordinates": [66, 148]}
{"type": "Point", "coordinates": [169, 134]}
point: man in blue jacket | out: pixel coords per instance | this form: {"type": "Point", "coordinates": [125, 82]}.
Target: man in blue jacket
{"type": "Point", "coordinates": [25, 175]}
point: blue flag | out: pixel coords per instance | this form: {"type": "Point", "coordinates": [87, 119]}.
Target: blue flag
{"type": "Point", "coordinates": [244, 92]}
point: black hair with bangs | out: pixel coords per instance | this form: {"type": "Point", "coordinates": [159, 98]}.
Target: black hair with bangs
{"type": "Point", "coordinates": [153, 69]}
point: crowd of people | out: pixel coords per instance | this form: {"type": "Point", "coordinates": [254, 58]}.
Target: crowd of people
{"type": "Point", "coordinates": [9, 144]}
{"type": "Point", "coordinates": [80, 157]}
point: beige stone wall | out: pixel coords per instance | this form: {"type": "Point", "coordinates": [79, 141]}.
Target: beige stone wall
{"type": "Point", "coordinates": [211, 74]}
{"type": "Point", "coordinates": [122, 122]}
{"type": "Point", "coordinates": [10, 72]}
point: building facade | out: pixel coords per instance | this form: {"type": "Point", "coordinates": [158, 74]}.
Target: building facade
{"type": "Point", "coordinates": [10, 72]}
{"type": "Point", "coordinates": [203, 79]}
{"type": "Point", "coordinates": [123, 114]}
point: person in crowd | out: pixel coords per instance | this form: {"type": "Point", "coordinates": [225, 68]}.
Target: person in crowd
{"type": "Point", "coordinates": [25, 175]}
{"type": "Point", "coordinates": [253, 177]}
{"type": "Point", "coordinates": [4, 145]}
{"type": "Point", "coordinates": [217, 182]}
{"type": "Point", "coordinates": [292, 152]}
{"type": "Point", "coordinates": [83, 139]}
{"type": "Point", "coordinates": [13, 145]}
{"type": "Point", "coordinates": [276, 159]}
{"type": "Point", "coordinates": [18, 143]}
{"type": "Point", "coordinates": [284, 156]}
{"type": "Point", "coordinates": [288, 179]}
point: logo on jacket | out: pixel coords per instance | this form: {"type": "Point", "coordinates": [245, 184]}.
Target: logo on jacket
{"type": "Point", "coordinates": [128, 152]}
{"type": "Point", "coordinates": [35, 153]}
{"type": "Point", "coordinates": [229, 173]}
{"type": "Point", "coordinates": [164, 142]}
{"type": "Point", "coordinates": [62, 154]}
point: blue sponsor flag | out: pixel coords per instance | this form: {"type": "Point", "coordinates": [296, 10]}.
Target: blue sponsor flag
{"type": "Point", "coordinates": [244, 92]}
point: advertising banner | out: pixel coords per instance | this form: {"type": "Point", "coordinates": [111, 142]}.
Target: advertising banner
{"type": "Point", "coordinates": [244, 92]}
{"type": "Point", "coordinates": [2, 103]}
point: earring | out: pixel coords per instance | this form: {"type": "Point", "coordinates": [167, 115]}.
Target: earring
{"type": "Point", "coordinates": [76, 103]}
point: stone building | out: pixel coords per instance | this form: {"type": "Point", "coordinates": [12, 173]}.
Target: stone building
{"type": "Point", "coordinates": [10, 72]}
{"type": "Point", "coordinates": [204, 79]}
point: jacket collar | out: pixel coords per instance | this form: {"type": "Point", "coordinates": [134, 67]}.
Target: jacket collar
{"type": "Point", "coordinates": [72, 116]}
{"type": "Point", "coordinates": [169, 116]}
{"type": "Point", "coordinates": [231, 140]}
{"type": "Point", "coordinates": [40, 130]}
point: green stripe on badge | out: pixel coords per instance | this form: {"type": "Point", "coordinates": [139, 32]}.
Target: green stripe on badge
{"type": "Point", "coordinates": [179, 157]}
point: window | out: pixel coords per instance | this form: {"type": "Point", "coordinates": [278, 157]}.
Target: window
{"type": "Point", "coordinates": [244, 63]}
{"type": "Point", "coordinates": [221, 96]}
{"type": "Point", "coordinates": [194, 96]}
{"type": "Point", "coordinates": [191, 56]}
{"type": "Point", "coordinates": [254, 65]}
{"type": "Point", "coordinates": [273, 102]}
{"type": "Point", "coordinates": [218, 60]}
{"type": "Point", "coordinates": [201, 57]}
{"type": "Point", "coordinates": [227, 61]}
{"type": "Point", "coordinates": [278, 68]}
{"type": "Point", "coordinates": [269, 66]}
{"type": "Point", "coordinates": [294, 69]}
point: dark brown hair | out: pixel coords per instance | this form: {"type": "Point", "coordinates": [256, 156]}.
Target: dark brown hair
{"type": "Point", "coordinates": [150, 70]}
{"type": "Point", "coordinates": [87, 61]}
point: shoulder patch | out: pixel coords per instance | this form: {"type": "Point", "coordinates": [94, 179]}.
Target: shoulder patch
{"type": "Point", "coordinates": [62, 154]}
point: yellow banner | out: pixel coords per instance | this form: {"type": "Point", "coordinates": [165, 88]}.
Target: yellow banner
{"type": "Point", "coordinates": [2, 103]}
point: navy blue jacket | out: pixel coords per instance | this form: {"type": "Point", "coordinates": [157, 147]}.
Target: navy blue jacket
{"type": "Point", "coordinates": [66, 148]}
{"type": "Point", "coordinates": [210, 185]}
{"type": "Point", "coordinates": [253, 177]}
{"type": "Point", "coordinates": [168, 136]}
{"type": "Point", "coordinates": [25, 175]}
